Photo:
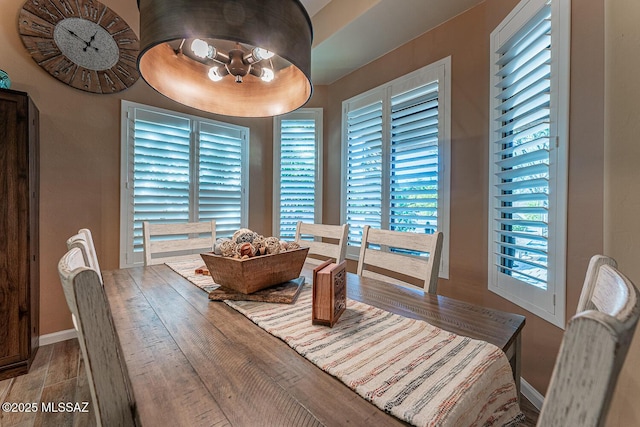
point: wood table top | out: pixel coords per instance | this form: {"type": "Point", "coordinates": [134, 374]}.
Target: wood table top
{"type": "Point", "coordinates": [198, 362]}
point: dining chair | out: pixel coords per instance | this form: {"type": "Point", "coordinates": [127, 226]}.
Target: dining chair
{"type": "Point", "coordinates": [108, 378]}
{"type": "Point", "coordinates": [328, 241]}
{"type": "Point", "coordinates": [593, 349]}
{"type": "Point", "coordinates": [391, 255]}
{"type": "Point", "coordinates": [175, 242]}
{"type": "Point", "coordinates": [84, 241]}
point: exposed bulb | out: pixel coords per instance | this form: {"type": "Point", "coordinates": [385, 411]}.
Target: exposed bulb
{"type": "Point", "coordinates": [267, 75]}
{"type": "Point", "coordinates": [202, 49]}
{"type": "Point", "coordinates": [214, 74]}
{"type": "Point", "coordinates": [260, 53]}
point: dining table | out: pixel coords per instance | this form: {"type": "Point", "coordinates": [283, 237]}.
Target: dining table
{"type": "Point", "coordinates": [196, 362]}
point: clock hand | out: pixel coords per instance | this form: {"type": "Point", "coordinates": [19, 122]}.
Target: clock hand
{"type": "Point", "coordinates": [93, 37]}
{"type": "Point", "coordinates": [74, 34]}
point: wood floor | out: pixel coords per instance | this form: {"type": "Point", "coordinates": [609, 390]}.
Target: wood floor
{"type": "Point", "coordinates": [57, 375]}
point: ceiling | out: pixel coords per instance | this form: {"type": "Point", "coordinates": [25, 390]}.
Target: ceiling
{"type": "Point", "coordinates": [351, 33]}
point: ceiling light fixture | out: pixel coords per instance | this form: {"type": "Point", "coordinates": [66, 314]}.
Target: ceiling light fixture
{"type": "Point", "coordinates": [246, 58]}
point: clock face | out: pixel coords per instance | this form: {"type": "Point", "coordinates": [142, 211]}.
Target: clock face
{"type": "Point", "coordinates": [82, 43]}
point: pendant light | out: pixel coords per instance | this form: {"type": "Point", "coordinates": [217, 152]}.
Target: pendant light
{"type": "Point", "coordinates": [246, 58]}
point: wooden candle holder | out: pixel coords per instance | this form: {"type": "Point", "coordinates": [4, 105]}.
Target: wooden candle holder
{"type": "Point", "coordinates": [329, 293]}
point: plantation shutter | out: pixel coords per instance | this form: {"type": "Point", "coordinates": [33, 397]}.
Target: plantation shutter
{"type": "Point", "coordinates": [414, 160]}
{"type": "Point", "coordinates": [161, 152]}
{"type": "Point", "coordinates": [521, 153]}
{"type": "Point", "coordinates": [178, 168]}
{"type": "Point", "coordinates": [297, 174]}
{"type": "Point", "coordinates": [220, 177]}
{"type": "Point", "coordinates": [364, 170]}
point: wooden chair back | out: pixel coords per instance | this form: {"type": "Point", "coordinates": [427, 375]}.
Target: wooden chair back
{"type": "Point", "coordinates": [593, 349]}
{"type": "Point", "coordinates": [111, 394]}
{"type": "Point", "coordinates": [336, 250]}
{"type": "Point", "coordinates": [422, 268]}
{"type": "Point", "coordinates": [173, 242]}
{"type": "Point", "coordinates": [84, 241]}
{"type": "Point", "coordinates": [92, 250]}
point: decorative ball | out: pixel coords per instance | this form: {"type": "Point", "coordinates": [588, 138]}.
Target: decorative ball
{"type": "Point", "coordinates": [216, 246]}
{"type": "Point", "coordinates": [228, 248]}
{"type": "Point", "coordinates": [247, 249]}
{"type": "Point", "coordinates": [244, 235]}
{"type": "Point", "coordinates": [293, 246]}
{"type": "Point", "coordinates": [258, 242]}
{"type": "Point", "coordinates": [5, 81]}
{"type": "Point", "coordinates": [272, 244]}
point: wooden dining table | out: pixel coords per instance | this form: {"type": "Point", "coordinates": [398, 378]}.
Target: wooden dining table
{"type": "Point", "coordinates": [196, 362]}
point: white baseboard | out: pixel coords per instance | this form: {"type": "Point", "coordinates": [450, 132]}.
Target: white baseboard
{"type": "Point", "coordinates": [531, 393]}
{"type": "Point", "coordinates": [58, 336]}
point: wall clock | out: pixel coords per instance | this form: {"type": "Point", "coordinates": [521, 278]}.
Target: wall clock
{"type": "Point", "coordinates": [82, 43]}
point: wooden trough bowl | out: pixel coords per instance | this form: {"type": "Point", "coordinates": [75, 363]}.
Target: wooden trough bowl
{"type": "Point", "coordinates": [253, 274]}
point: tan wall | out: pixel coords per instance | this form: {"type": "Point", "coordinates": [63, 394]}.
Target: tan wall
{"type": "Point", "coordinates": [622, 177]}
{"type": "Point", "coordinates": [466, 39]}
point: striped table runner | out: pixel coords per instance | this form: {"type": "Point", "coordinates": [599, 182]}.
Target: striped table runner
{"type": "Point", "coordinates": [419, 373]}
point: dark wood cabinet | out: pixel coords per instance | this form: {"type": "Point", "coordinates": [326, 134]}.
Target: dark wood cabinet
{"type": "Point", "coordinates": [19, 234]}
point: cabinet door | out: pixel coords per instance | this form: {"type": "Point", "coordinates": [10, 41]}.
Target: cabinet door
{"type": "Point", "coordinates": [14, 271]}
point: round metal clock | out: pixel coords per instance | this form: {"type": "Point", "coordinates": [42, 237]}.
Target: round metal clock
{"type": "Point", "coordinates": [82, 43]}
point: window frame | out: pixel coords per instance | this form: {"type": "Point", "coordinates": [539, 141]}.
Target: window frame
{"type": "Point", "coordinates": [439, 71]}
{"type": "Point", "coordinates": [128, 257]}
{"type": "Point", "coordinates": [315, 114]}
{"type": "Point", "coordinates": [548, 304]}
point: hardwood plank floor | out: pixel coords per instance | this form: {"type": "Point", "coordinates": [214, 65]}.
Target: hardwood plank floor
{"type": "Point", "coordinates": [58, 376]}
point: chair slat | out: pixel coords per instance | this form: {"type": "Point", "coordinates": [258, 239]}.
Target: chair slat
{"type": "Point", "coordinates": [336, 251]}
{"type": "Point", "coordinates": [159, 251]}
{"type": "Point", "coordinates": [421, 268]}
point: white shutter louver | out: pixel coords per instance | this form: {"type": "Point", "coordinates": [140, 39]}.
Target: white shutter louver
{"type": "Point", "coordinates": [179, 168]}
{"type": "Point", "coordinates": [160, 171]}
{"type": "Point", "coordinates": [414, 160]}
{"type": "Point", "coordinates": [396, 151]}
{"type": "Point", "coordinates": [220, 177]}
{"type": "Point", "coordinates": [521, 153]}
{"type": "Point", "coordinates": [297, 174]}
{"type": "Point", "coordinates": [364, 170]}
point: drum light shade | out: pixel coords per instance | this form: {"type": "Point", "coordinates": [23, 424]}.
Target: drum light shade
{"type": "Point", "coordinates": [248, 58]}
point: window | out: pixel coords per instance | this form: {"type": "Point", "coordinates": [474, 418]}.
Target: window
{"type": "Point", "coordinates": [297, 178]}
{"type": "Point", "coordinates": [179, 168]}
{"type": "Point", "coordinates": [396, 157]}
{"type": "Point", "coordinates": [528, 157]}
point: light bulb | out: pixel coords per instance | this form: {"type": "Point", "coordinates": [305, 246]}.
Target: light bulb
{"type": "Point", "coordinates": [201, 48]}
{"type": "Point", "coordinates": [267, 75]}
{"type": "Point", "coordinates": [214, 74]}
{"type": "Point", "coordinates": [261, 53]}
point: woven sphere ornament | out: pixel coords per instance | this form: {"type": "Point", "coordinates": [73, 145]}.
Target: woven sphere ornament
{"type": "Point", "coordinates": [272, 244]}
{"type": "Point", "coordinates": [228, 248]}
{"type": "Point", "coordinates": [244, 235]}
{"type": "Point", "coordinates": [293, 246]}
{"type": "Point", "coordinates": [258, 242]}
{"type": "Point", "coordinates": [216, 246]}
